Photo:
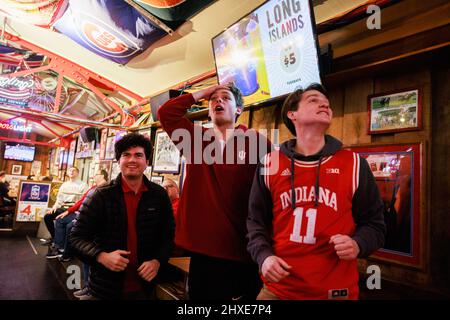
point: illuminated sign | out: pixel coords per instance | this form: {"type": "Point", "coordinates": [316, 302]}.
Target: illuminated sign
{"type": "Point", "coordinates": [19, 83]}
{"type": "Point", "coordinates": [16, 126]}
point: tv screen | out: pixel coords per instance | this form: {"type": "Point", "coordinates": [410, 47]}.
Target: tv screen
{"type": "Point", "coordinates": [20, 152]}
{"type": "Point", "coordinates": [270, 52]}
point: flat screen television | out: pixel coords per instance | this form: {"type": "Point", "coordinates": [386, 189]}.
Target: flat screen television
{"type": "Point", "coordinates": [270, 52]}
{"type": "Point", "coordinates": [20, 152]}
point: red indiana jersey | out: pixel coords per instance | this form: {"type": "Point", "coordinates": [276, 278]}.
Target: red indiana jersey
{"type": "Point", "coordinates": [301, 236]}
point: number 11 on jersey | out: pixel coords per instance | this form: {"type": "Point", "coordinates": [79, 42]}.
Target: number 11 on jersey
{"type": "Point", "coordinates": [309, 238]}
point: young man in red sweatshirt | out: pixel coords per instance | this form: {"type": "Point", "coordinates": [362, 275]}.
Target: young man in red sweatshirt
{"type": "Point", "coordinates": [313, 210]}
{"type": "Point", "coordinates": [211, 219]}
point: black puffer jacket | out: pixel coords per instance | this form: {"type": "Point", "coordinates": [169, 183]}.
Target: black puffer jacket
{"type": "Point", "coordinates": [102, 226]}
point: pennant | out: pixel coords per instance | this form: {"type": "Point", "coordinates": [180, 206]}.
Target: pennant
{"type": "Point", "coordinates": [112, 29]}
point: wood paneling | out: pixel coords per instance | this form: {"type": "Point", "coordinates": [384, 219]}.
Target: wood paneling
{"type": "Point", "coordinates": [355, 112]}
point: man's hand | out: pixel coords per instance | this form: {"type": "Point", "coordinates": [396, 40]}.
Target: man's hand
{"type": "Point", "coordinates": [62, 215]}
{"type": "Point", "coordinates": [346, 248]}
{"type": "Point", "coordinates": [114, 261]}
{"type": "Point", "coordinates": [275, 269]}
{"type": "Point", "coordinates": [207, 92]}
{"type": "Point", "coordinates": [149, 269]}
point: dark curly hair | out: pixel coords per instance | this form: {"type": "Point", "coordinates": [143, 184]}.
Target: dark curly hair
{"type": "Point", "coordinates": [132, 140]}
{"type": "Point", "coordinates": [292, 100]}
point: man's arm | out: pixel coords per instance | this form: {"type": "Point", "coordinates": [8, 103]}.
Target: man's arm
{"type": "Point", "coordinates": [77, 205]}
{"type": "Point", "coordinates": [367, 211]}
{"type": "Point", "coordinates": [172, 113]}
{"type": "Point", "coordinates": [259, 221]}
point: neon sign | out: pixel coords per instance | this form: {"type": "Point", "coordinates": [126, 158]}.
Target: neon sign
{"type": "Point", "coordinates": [16, 126]}
{"type": "Point", "coordinates": [21, 84]}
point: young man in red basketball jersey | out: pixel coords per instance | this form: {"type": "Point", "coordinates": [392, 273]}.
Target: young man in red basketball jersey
{"type": "Point", "coordinates": [314, 208]}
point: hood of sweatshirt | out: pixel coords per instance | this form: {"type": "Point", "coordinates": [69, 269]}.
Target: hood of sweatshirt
{"type": "Point", "coordinates": [332, 145]}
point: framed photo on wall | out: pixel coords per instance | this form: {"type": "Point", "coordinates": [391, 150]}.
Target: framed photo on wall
{"type": "Point", "coordinates": [166, 156]}
{"type": "Point", "coordinates": [16, 169]}
{"type": "Point", "coordinates": [105, 165]}
{"type": "Point", "coordinates": [395, 111]}
{"type": "Point", "coordinates": [157, 179]}
{"type": "Point", "coordinates": [397, 172]}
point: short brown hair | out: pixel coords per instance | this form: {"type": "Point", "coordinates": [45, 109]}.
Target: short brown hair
{"type": "Point", "coordinates": [292, 100]}
{"type": "Point", "coordinates": [237, 96]}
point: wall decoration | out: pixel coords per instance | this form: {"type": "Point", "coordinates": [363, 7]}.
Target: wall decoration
{"type": "Point", "coordinates": [166, 158]}
{"type": "Point", "coordinates": [395, 111]}
{"type": "Point", "coordinates": [397, 172]}
{"type": "Point", "coordinates": [157, 179]}
{"type": "Point", "coordinates": [115, 170]}
{"type": "Point", "coordinates": [16, 169]}
{"type": "Point", "coordinates": [105, 165]}
{"type": "Point", "coordinates": [109, 153]}
{"type": "Point", "coordinates": [148, 172]}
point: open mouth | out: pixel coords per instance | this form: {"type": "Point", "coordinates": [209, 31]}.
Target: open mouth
{"type": "Point", "coordinates": [325, 112]}
{"type": "Point", "coordinates": [218, 109]}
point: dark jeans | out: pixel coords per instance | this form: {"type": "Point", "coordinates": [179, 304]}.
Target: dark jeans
{"type": "Point", "coordinates": [62, 230]}
{"type": "Point", "coordinates": [49, 220]}
{"type": "Point", "coordinates": [221, 279]}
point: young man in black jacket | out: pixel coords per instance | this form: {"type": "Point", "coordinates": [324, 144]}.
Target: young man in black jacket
{"type": "Point", "coordinates": [125, 229]}
{"type": "Point", "coordinates": [313, 209]}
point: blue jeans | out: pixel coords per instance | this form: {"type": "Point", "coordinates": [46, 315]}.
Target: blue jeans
{"type": "Point", "coordinates": [86, 270]}
{"type": "Point", "coordinates": [62, 230]}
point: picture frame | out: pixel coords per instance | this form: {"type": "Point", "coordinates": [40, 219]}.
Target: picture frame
{"type": "Point", "coordinates": [115, 170]}
{"type": "Point", "coordinates": [105, 165]}
{"type": "Point", "coordinates": [109, 152]}
{"type": "Point", "coordinates": [397, 173]}
{"type": "Point", "coordinates": [166, 156]}
{"type": "Point", "coordinates": [103, 138]}
{"type": "Point", "coordinates": [16, 169]}
{"type": "Point", "coordinates": [395, 111]}
{"type": "Point", "coordinates": [157, 179]}
{"type": "Point", "coordinates": [148, 172]}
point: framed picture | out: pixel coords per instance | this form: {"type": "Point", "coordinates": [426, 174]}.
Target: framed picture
{"type": "Point", "coordinates": [146, 133]}
{"type": "Point", "coordinates": [157, 179]}
{"type": "Point", "coordinates": [395, 111]}
{"type": "Point", "coordinates": [109, 152]}
{"type": "Point", "coordinates": [148, 172]}
{"type": "Point", "coordinates": [115, 170]}
{"type": "Point", "coordinates": [397, 172]}
{"type": "Point", "coordinates": [103, 137]}
{"type": "Point", "coordinates": [105, 165]}
{"type": "Point", "coordinates": [166, 157]}
{"type": "Point", "coordinates": [16, 169]}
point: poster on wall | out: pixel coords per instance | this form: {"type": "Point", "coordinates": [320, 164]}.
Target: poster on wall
{"type": "Point", "coordinates": [397, 172]}
{"type": "Point", "coordinates": [115, 170]}
{"type": "Point", "coordinates": [32, 201]}
{"type": "Point", "coordinates": [14, 182]}
{"type": "Point", "coordinates": [166, 157]}
{"type": "Point", "coordinates": [36, 167]}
